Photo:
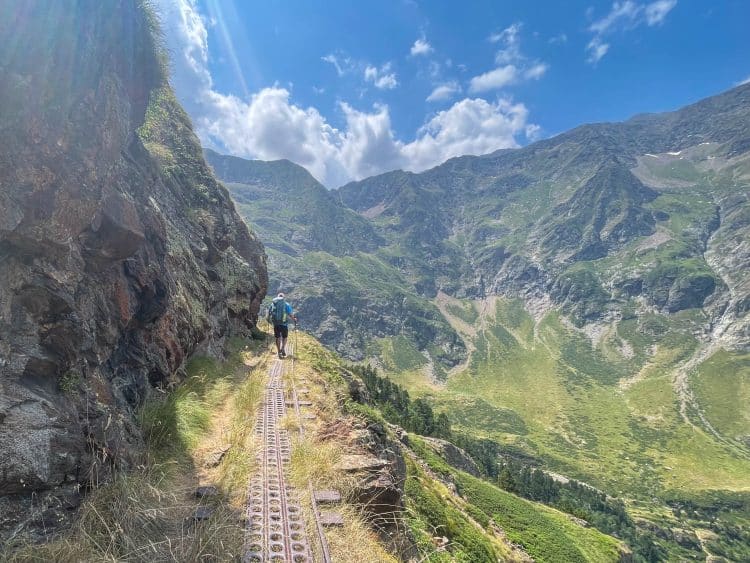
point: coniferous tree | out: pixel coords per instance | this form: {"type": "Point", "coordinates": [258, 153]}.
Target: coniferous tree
{"type": "Point", "coordinates": [506, 480]}
{"type": "Point", "coordinates": [443, 426]}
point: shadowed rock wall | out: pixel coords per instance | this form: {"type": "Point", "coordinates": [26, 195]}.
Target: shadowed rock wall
{"type": "Point", "coordinates": [120, 254]}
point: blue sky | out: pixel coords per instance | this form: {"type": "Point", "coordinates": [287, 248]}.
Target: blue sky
{"type": "Point", "coordinates": [350, 89]}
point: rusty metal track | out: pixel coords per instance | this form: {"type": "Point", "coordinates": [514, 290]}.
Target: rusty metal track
{"type": "Point", "coordinates": [275, 522]}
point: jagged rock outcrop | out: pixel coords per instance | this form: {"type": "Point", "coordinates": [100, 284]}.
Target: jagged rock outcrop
{"type": "Point", "coordinates": [453, 455]}
{"type": "Point", "coordinates": [381, 471]}
{"type": "Point", "coordinates": [381, 475]}
{"type": "Point", "coordinates": [120, 254]}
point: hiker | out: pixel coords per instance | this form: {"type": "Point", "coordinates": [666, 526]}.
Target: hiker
{"type": "Point", "coordinates": [278, 313]}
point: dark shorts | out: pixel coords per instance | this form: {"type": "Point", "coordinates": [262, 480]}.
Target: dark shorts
{"type": "Point", "coordinates": [280, 331]}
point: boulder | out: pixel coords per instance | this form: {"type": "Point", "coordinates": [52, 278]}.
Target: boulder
{"type": "Point", "coordinates": [453, 455]}
{"type": "Point", "coordinates": [381, 475]}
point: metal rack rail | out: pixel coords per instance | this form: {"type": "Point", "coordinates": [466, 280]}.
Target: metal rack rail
{"type": "Point", "coordinates": [275, 522]}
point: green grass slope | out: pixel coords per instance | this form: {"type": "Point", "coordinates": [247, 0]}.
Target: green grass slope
{"type": "Point", "coordinates": [477, 518]}
{"type": "Point", "coordinates": [546, 534]}
{"type": "Point", "coordinates": [595, 414]}
{"type": "Point", "coordinates": [609, 418]}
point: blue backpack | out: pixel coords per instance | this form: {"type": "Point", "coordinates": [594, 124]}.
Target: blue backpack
{"type": "Point", "coordinates": [277, 311]}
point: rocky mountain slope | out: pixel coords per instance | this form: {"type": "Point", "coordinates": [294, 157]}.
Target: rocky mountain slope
{"type": "Point", "coordinates": [121, 255]}
{"type": "Point", "coordinates": [597, 220]}
{"type": "Point", "coordinates": [327, 258]}
{"type": "Point", "coordinates": [584, 299]}
{"type": "Point", "coordinates": [544, 213]}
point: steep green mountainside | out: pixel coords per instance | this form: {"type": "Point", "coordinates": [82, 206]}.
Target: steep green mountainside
{"type": "Point", "coordinates": [536, 221]}
{"type": "Point", "coordinates": [298, 214]}
{"type": "Point", "coordinates": [328, 259]}
{"type": "Point", "coordinates": [452, 508]}
{"type": "Point", "coordinates": [589, 293]}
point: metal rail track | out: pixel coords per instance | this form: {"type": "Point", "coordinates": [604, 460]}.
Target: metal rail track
{"type": "Point", "coordinates": [275, 522]}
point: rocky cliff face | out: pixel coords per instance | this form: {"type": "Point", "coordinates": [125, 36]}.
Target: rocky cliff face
{"type": "Point", "coordinates": [120, 255]}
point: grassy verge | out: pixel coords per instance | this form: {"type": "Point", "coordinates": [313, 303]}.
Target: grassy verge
{"type": "Point", "coordinates": [147, 514]}
{"type": "Point", "coordinates": [316, 455]}
{"type": "Point", "coordinates": [432, 512]}
{"type": "Point", "coordinates": [546, 534]}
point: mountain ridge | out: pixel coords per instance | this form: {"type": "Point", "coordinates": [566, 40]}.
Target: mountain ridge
{"type": "Point", "coordinates": [426, 207]}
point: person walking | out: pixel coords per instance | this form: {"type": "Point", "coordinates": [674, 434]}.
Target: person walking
{"type": "Point", "coordinates": [279, 314]}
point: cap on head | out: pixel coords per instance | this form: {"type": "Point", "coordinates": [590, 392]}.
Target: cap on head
{"type": "Point", "coordinates": [280, 295]}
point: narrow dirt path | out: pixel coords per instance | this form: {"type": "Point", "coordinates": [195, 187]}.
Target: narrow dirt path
{"type": "Point", "coordinates": [276, 529]}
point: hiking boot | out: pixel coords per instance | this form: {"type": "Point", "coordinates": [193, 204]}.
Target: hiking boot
{"type": "Point", "coordinates": [282, 354]}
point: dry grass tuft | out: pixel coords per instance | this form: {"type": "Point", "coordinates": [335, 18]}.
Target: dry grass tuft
{"type": "Point", "coordinates": [316, 462]}
{"type": "Point", "coordinates": [290, 422]}
{"type": "Point", "coordinates": [239, 462]}
{"type": "Point", "coordinates": [356, 541]}
{"type": "Point", "coordinates": [337, 430]}
{"type": "Point", "coordinates": [142, 517]}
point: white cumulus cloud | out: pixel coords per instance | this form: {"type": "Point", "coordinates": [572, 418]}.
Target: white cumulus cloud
{"type": "Point", "coordinates": [471, 126]}
{"type": "Point", "coordinates": [512, 65]}
{"type": "Point", "coordinates": [494, 79]}
{"type": "Point", "coordinates": [270, 125]}
{"type": "Point", "coordinates": [421, 47]}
